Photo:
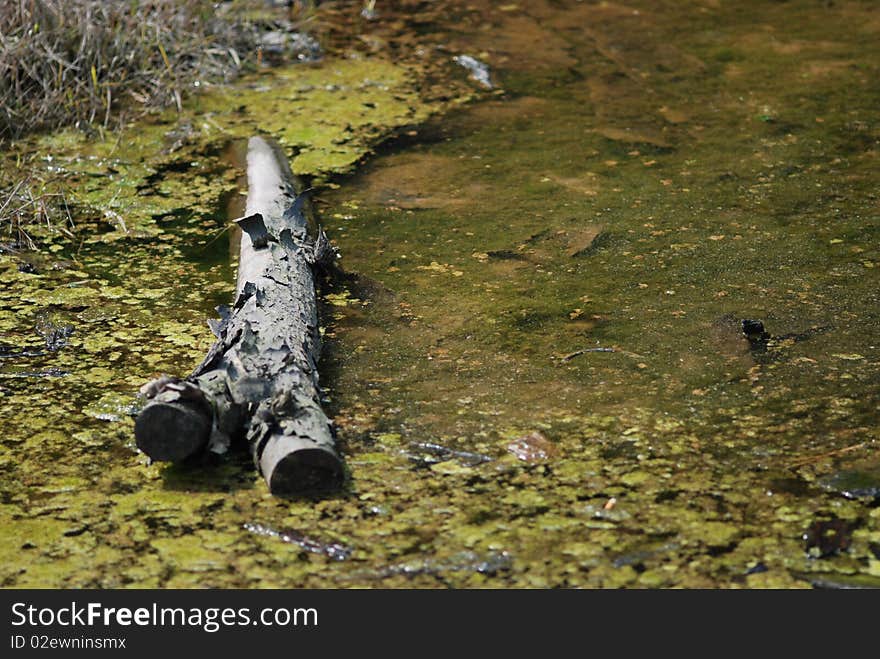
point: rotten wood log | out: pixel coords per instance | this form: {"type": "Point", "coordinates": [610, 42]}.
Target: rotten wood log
{"type": "Point", "coordinates": [260, 378]}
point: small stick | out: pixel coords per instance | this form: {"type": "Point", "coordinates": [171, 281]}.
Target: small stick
{"type": "Point", "coordinates": [578, 353]}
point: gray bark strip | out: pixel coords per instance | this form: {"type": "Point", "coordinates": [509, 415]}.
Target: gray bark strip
{"type": "Point", "coordinates": [261, 377]}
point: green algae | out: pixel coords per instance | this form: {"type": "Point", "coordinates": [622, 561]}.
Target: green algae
{"type": "Point", "coordinates": [327, 116]}
{"type": "Point", "coordinates": [646, 214]}
{"type": "Point", "coordinates": [141, 266]}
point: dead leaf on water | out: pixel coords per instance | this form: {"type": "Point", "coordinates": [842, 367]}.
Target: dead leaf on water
{"type": "Point", "coordinates": [534, 447]}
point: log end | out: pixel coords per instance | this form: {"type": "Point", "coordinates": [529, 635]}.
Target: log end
{"type": "Point", "coordinates": [300, 466]}
{"type": "Point", "coordinates": [172, 431]}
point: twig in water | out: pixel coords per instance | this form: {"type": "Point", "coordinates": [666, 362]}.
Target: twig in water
{"type": "Point", "coordinates": [578, 353]}
{"type": "Point", "coordinates": [216, 236]}
{"type": "Point", "coordinates": [829, 454]}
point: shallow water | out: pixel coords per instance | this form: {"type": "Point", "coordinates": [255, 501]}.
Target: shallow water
{"type": "Point", "coordinates": [537, 369]}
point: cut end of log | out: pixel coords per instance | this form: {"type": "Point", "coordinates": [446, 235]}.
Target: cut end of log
{"type": "Point", "coordinates": [296, 466]}
{"type": "Point", "coordinates": [172, 432]}
{"type": "Point", "coordinates": [309, 470]}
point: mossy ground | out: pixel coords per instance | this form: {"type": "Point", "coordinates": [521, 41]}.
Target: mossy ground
{"type": "Point", "coordinates": [647, 180]}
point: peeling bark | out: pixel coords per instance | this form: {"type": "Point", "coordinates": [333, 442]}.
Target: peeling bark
{"type": "Point", "coordinates": [260, 378]}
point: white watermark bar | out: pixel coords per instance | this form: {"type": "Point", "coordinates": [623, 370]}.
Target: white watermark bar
{"type": "Point", "coordinates": [209, 619]}
{"type": "Point", "coordinates": [125, 620]}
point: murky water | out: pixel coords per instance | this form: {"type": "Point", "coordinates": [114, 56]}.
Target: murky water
{"type": "Point", "coordinates": [538, 367]}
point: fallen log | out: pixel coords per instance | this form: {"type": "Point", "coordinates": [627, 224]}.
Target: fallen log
{"type": "Point", "coordinates": [260, 378]}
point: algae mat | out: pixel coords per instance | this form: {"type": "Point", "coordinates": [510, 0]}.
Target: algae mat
{"type": "Point", "coordinates": [120, 292]}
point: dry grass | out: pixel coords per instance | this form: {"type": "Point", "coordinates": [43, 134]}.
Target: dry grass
{"type": "Point", "coordinates": [98, 63]}
{"type": "Point", "coordinates": [26, 203]}
{"type": "Point", "coordinates": [68, 61]}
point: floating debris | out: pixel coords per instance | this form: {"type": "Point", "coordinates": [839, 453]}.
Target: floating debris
{"type": "Point", "coordinates": [854, 484]}
{"type": "Point", "coordinates": [608, 511]}
{"type": "Point", "coordinates": [427, 454]}
{"type": "Point", "coordinates": [8, 351]}
{"type": "Point", "coordinates": [833, 581]}
{"type": "Point", "coordinates": [578, 353]}
{"type": "Point", "coordinates": [534, 447]}
{"type": "Point", "coordinates": [52, 372]}
{"type": "Point", "coordinates": [369, 11]}
{"type": "Point", "coordinates": [54, 333]}
{"type": "Point", "coordinates": [332, 550]}
{"type": "Point", "coordinates": [467, 561]}
{"type": "Point", "coordinates": [754, 331]}
{"type": "Point", "coordinates": [275, 45]}
{"type": "Point", "coordinates": [479, 71]}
